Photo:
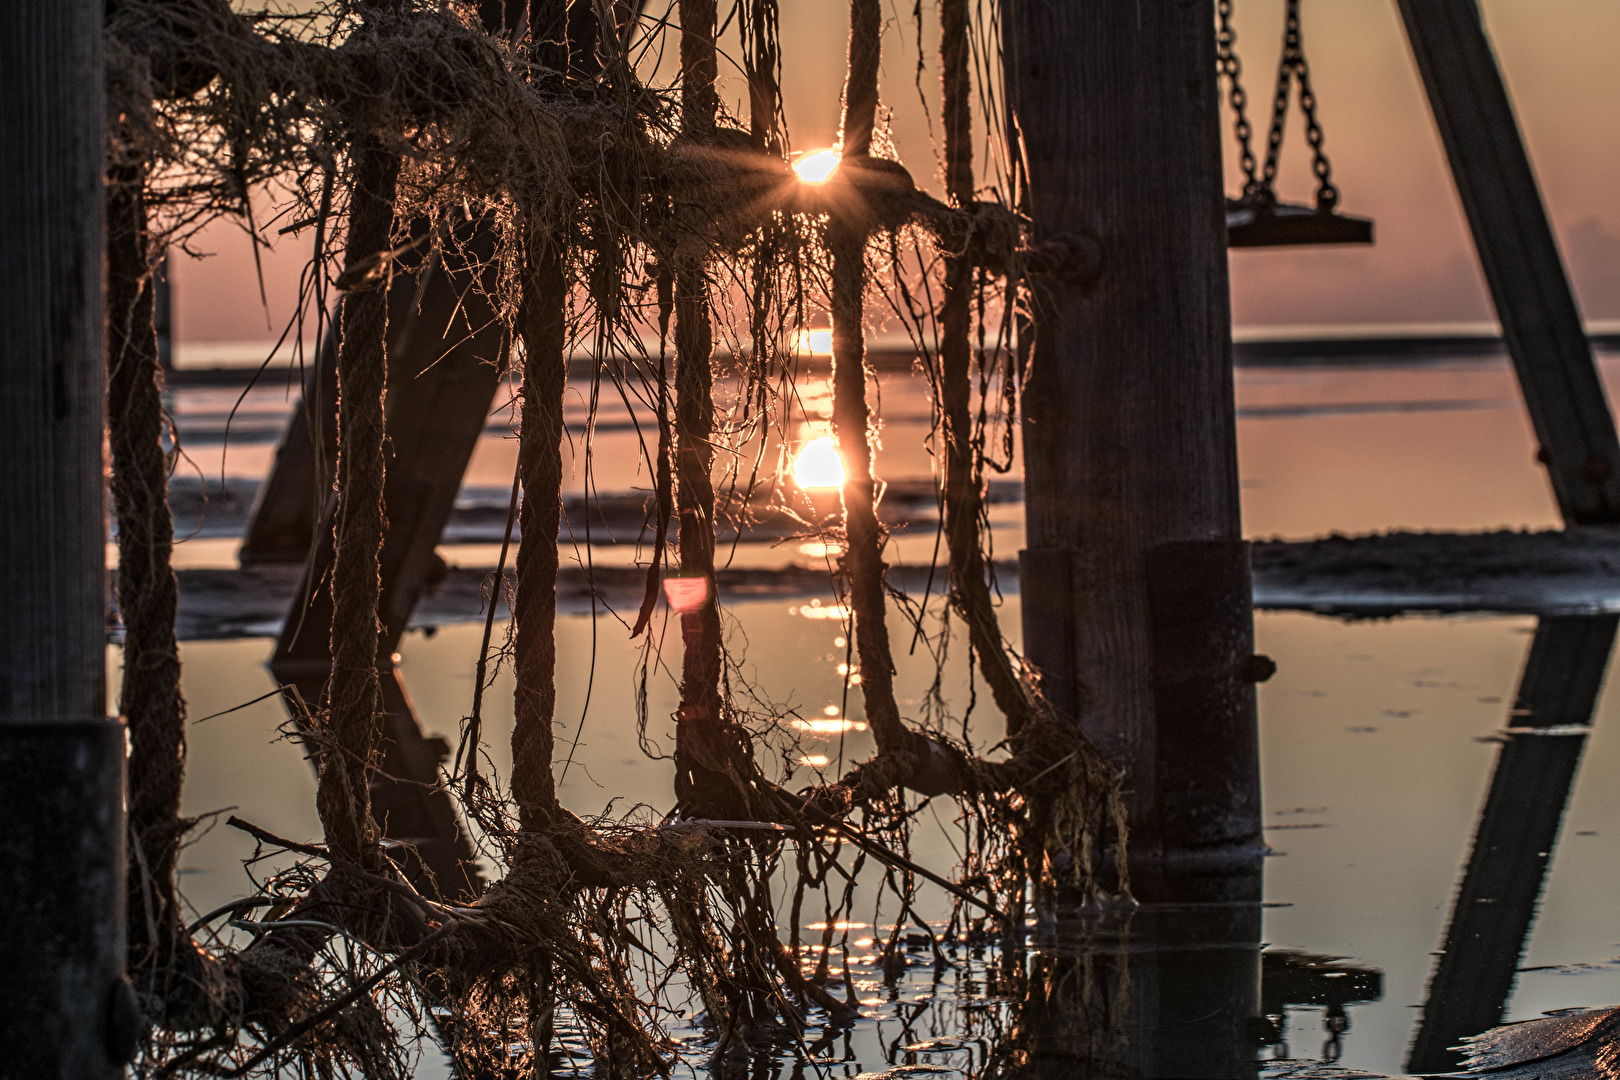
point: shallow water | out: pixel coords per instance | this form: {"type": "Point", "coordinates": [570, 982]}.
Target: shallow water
{"type": "Point", "coordinates": [1379, 741]}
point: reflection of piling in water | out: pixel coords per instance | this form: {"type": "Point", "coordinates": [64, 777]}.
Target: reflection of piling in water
{"type": "Point", "coordinates": [1513, 844]}
{"type": "Point", "coordinates": [1170, 990]}
{"type": "Point", "coordinates": [1177, 988]}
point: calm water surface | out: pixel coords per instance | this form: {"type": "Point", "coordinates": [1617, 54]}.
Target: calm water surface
{"type": "Point", "coordinates": [1379, 742]}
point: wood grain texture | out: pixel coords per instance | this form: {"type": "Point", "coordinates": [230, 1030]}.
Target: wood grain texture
{"type": "Point", "coordinates": [52, 555]}
{"type": "Point", "coordinates": [1128, 413]}
{"type": "Point", "coordinates": [62, 761]}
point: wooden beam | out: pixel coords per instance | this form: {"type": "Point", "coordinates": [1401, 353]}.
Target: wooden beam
{"type": "Point", "coordinates": [1520, 257]}
{"type": "Point", "coordinates": [1128, 416]}
{"type": "Point", "coordinates": [290, 503]}
{"type": "Point", "coordinates": [61, 760]}
{"type": "Point", "coordinates": [1517, 832]}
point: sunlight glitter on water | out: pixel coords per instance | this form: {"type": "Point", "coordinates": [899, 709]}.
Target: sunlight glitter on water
{"type": "Point", "coordinates": [815, 609]}
{"type": "Point", "coordinates": [831, 725]}
{"type": "Point", "coordinates": [842, 924]}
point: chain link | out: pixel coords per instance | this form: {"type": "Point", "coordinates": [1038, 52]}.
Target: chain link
{"type": "Point", "coordinates": [1327, 196]}
{"type": "Point", "coordinates": [1335, 1021]}
{"type": "Point", "coordinates": [1228, 65]}
{"type": "Point", "coordinates": [1279, 101]}
{"type": "Point", "coordinates": [1261, 189]}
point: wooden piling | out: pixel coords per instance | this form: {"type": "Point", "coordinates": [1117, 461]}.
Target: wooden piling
{"type": "Point", "coordinates": [288, 508]}
{"type": "Point", "coordinates": [1136, 574]}
{"type": "Point", "coordinates": [1497, 186]}
{"type": "Point", "coordinates": [65, 1011]}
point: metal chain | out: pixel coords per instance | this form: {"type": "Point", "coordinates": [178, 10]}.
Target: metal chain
{"type": "Point", "coordinates": [1327, 196]}
{"type": "Point", "coordinates": [1228, 65]}
{"type": "Point", "coordinates": [1293, 67]}
{"type": "Point", "coordinates": [1335, 1021]}
{"type": "Point", "coordinates": [1279, 101]}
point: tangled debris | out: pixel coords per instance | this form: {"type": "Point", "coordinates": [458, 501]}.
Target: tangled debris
{"type": "Point", "coordinates": [622, 212]}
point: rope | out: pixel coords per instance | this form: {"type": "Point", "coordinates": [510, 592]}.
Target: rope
{"type": "Point", "coordinates": [852, 430]}
{"type": "Point", "coordinates": [762, 63]}
{"type": "Point", "coordinates": [700, 103]}
{"type": "Point", "coordinates": [861, 85]}
{"type": "Point", "coordinates": [969, 590]}
{"type": "Point", "coordinates": [957, 113]}
{"type": "Point", "coordinates": [709, 751]}
{"type": "Point", "coordinates": [863, 561]}
{"type": "Point", "coordinates": [149, 698]}
{"type": "Point", "coordinates": [351, 729]}
{"type": "Point", "coordinates": [964, 473]}
{"type": "Point", "coordinates": [694, 458]}
{"type": "Point", "coordinates": [543, 327]}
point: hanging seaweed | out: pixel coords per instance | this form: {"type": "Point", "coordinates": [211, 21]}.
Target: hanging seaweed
{"type": "Point", "coordinates": [380, 126]}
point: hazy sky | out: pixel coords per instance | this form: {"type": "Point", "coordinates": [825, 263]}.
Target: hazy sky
{"type": "Point", "coordinates": [1558, 56]}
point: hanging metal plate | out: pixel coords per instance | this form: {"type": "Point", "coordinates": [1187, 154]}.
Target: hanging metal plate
{"type": "Point", "coordinates": [1285, 225]}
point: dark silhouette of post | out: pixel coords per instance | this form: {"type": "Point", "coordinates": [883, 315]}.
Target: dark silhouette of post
{"type": "Point", "coordinates": [1545, 337]}
{"type": "Point", "coordinates": [65, 1011]}
{"type": "Point", "coordinates": [1518, 828]}
{"type": "Point", "coordinates": [1135, 584]}
{"type": "Point", "coordinates": [1175, 991]}
{"type": "Point", "coordinates": [288, 508]}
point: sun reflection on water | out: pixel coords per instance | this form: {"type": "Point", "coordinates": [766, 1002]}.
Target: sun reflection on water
{"type": "Point", "coordinates": [818, 466]}
{"type": "Point", "coordinates": [829, 725]}
{"type": "Point", "coordinates": [815, 609]}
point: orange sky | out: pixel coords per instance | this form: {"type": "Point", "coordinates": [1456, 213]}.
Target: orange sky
{"type": "Point", "coordinates": [1387, 161]}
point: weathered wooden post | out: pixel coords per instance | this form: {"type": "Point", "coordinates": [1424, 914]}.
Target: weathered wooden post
{"type": "Point", "coordinates": [1135, 583]}
{"type": "Point", "coordinates": [65, 1011]}
{"type": "Point", "coordinates": [1136, 593]}
{"type": "Point", "coordinates": [1545, 337]}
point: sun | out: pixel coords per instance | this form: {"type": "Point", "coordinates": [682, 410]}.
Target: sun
{"type": "Point", "coordinates": [815, 342]}
{"type": "Point", "coordinates": [817, 168]}
{"type": "Point", "coordinates": [818, 465]}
